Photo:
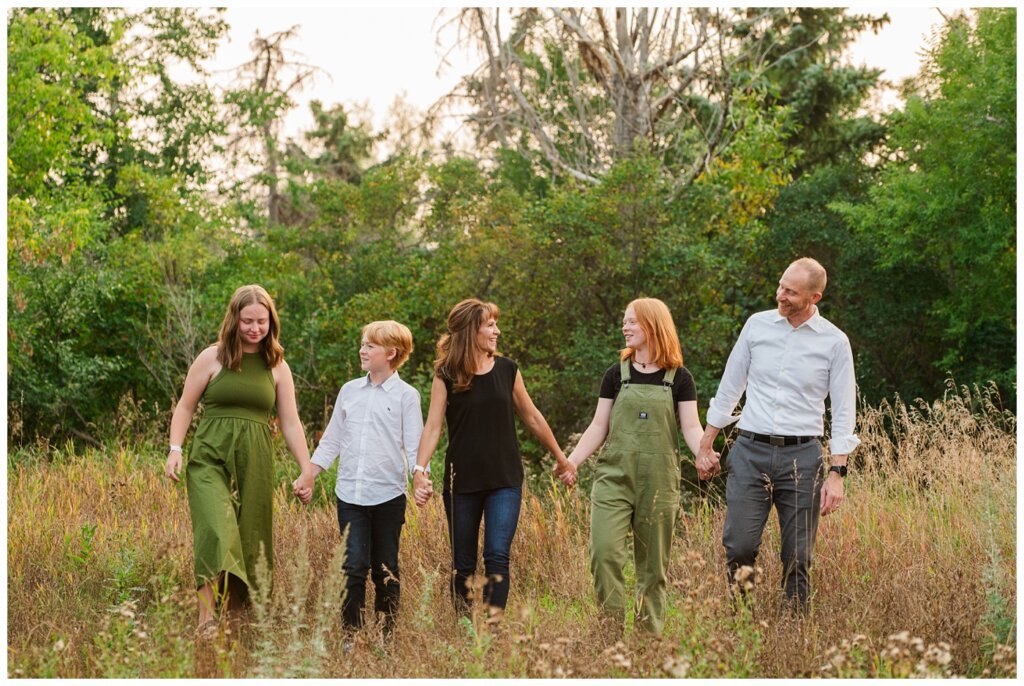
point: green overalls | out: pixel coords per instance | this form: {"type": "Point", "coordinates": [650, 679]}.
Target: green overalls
{"type": "Point", "coordinates": [636, 488]}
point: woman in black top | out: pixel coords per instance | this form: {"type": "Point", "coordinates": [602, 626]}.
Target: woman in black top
{"type": "Point", "coordinates": [476, 392]}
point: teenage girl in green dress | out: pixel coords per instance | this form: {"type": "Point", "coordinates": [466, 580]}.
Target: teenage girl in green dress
{"type": "Point", "coordinates": [229, 474]}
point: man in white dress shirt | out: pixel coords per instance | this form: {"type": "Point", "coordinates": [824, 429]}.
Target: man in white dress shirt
{"type": "Point", "coordinates": [787, 360]}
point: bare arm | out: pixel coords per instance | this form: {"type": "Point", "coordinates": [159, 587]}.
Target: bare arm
{"type": "Point", "coordinates": [534, 420]}
{"type": "Point", "coordinates": [422, 487]}
{"type": "Point", "coordinates": [689, 424]}
{"type": "Point", "coordinates": [593, 438]}
{"type": "Point", "coordinates": [203, 369]}
{"type": "Point", "coordinates": [435, 422]}
{"type": "Point", "coordinates": [288, 414]}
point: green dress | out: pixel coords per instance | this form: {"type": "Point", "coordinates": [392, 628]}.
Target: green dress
{"type": "Point", "coordinates": [230, 475]}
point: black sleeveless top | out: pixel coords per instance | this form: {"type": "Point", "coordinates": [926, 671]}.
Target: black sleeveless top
{"type": "Point", "coordinates": [483, 451]}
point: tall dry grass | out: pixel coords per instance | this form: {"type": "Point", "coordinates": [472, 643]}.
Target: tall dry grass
{"type": "Point", "coordinates": [915, 575]}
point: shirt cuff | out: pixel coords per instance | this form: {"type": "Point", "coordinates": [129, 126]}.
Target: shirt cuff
{"type": "Point", "coordinates": [718, 417]}
{"type": "Point", "coordinates": [843, 445]}
{"type": "Point", "coordinates": [321, 460]}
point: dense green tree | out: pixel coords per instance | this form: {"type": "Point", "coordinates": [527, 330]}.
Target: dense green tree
{"type": "Point", "coordinates": [796, 56]}
{"type": "Point", "coordinates": [97, 210]}
{"type": "Point", "coordinates": [894, 339]}
{"type": "Point", "coordinates": [945, 201]}
{"type": "Point", "coordinates": [120, 259]}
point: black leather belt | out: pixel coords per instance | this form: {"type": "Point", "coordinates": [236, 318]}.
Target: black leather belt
{"type": "Point", "coordinates": [777, 441]}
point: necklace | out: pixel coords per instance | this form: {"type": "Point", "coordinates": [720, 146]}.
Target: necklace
{"type": "Point", "coordinates": [643, 365]}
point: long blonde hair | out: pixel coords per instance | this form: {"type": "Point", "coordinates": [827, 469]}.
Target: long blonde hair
{"type": "Point", "coordinates": [659, 329]}
{"type": "Point", "coordinates": [229, 344]}
{"type": "Point", "coordinates": [456, 349]}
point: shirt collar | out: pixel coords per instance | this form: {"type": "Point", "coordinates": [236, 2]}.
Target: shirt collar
{"type": "Point", "coordinates": [814, 323]}
{"type": "Point", "coordinates": [388, 384]}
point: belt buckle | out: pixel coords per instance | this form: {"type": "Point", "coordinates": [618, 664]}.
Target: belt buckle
{"type": "Point", "coordinates": [777, 441]}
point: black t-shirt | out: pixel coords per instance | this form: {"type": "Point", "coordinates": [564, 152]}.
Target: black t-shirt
{"type": "Point", "coordinates": [483, 451]}
{"type": "Point", "coordinates": [683, 387]}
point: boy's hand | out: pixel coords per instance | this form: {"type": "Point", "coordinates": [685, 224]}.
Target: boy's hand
{"type": "Point", "coordinates": [422, 488]}
{"type": "Point", "coordinates": [302, 487]}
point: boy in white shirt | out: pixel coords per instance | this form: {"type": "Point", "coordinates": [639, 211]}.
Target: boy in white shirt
{"type": "Point", "coordinates": [375, 429]}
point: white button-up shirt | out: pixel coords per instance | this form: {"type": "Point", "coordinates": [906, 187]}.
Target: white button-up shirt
{"type": "Point", "coordinates": [375, 430]}
{"type": "Point", "coordinates": [787, 373]}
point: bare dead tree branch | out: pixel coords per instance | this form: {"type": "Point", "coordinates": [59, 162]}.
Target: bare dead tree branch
{"type": "Point", "coordinates": [640, 75]}
{"type": "Point", "coordinates": [536, 127]}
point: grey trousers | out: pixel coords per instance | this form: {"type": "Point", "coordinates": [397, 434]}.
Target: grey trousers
{"type": "Point", "coordinates": [790, 478]}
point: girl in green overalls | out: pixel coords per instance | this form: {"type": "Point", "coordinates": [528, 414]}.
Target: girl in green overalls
{"type": "Point", "coordinates": [643, 398]}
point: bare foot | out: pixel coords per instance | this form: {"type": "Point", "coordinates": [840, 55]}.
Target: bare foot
{"type": "Point", "coordinates": [207, 630]}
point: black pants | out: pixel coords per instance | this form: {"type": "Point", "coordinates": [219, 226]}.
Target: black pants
{"type": "Point", "coordinates": [789, 478]}
{"type": "Point", "coordinates": [373, 533]}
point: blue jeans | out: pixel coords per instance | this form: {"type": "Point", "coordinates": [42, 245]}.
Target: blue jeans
{"type": "Point", "coordinates": [499, 509]}
{"type": "Point", "coordinates": [372, 545]}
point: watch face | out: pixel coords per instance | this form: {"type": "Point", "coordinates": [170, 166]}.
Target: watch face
{"type": "Point", "coordinates": [840, 470]}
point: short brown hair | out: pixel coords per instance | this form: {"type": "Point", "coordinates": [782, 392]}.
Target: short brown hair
{"type": "Point", "coordinates": [390, 334]}
{"type": "Point", "coordinates": [816, 276]}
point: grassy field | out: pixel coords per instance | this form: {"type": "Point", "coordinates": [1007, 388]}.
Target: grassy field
{"type": "Point", "coordinates": [915, 575]}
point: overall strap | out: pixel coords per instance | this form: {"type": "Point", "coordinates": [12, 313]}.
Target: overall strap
{"type": "Point", "coordinates": [624, 371]}
{"type": "Point", "coordinates": [670, 375]}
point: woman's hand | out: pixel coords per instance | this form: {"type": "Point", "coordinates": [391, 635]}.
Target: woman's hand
{"type": "Point", "coordinates": [422, 488]}
{"type": "Point", "coordinates": [565, 470]}
{"type": "Point", "coordinates": [173, 466]}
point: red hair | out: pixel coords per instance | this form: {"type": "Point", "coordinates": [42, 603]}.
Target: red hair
{"type": "Point", "coordinates": [659, 329]}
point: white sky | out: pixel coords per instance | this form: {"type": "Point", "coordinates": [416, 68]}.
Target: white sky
{"type": "Point", "coordinates": [373, 55]}
{"type": "Point", "coordinates": [370, 55]}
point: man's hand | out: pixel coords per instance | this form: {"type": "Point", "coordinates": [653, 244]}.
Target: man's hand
{"type": "Point", "coordinates": [708, 463]}
{"type": "Point", "coordinates": [831, 494]}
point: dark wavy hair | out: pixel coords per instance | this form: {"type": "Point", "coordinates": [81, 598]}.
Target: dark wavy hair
{"type": "Point", "coordinates": [456, 349]}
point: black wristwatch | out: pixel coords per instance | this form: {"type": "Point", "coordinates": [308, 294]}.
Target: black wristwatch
{"type": "Point", "coordinates": [839, 469]}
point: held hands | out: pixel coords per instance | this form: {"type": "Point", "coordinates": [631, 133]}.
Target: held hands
{"type": "Point", "coordinates": [422, 488]}
{"type": "Point", "coordinates": [565, 470]}
{"type": "Point", "coordinates": [708, 463]}
{"type": "Point", "coordinates": [302, 488]}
